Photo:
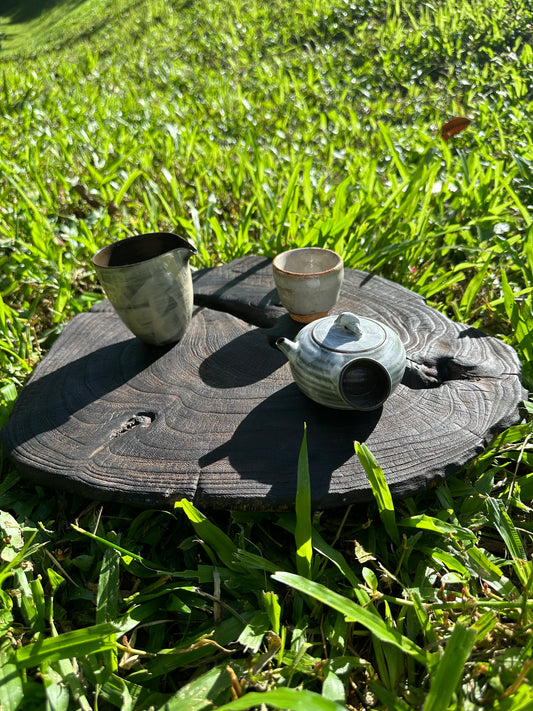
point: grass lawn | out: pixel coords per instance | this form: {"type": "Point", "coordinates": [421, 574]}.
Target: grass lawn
{"type": "Point", "coordinates": [251, 127]}
{"type": "Point", "coordinates": [31, 27]}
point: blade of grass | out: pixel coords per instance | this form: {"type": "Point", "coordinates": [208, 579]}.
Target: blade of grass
{"type": "Point", "coordinates": [10, 680]}
{"type": "Point", "coordinates": [290, 699]}
{"type": "Point", "coordinates": [127, 185]}
{"type": "Point", "coordinates": [423, 618]}
{"type": "Point", "coordinates": [108, 586]}
{"type": "Point", "coordinates": [57, 693]}
{"type": "Point", "coordinates": [126, 696]}
{"type": "Point", "coordinates": [107, 599]}
{"type": "Point", "coordinates": [354, 613]}
{"type": "Point", "coordinates": [211, 534]}
{"type": "Point", "coordinates": [68, 673]}
{"type": "Point", "coordinates": [503, 523]}
{"type": "Point", "coordinates": [126, 554]}
{"type": "Point", "coordinates": [332, 554]}
{"type": "Point", "coordinates": [289, 202]}
{"type": "Point", "coordinates": [388, 698]}
{"type": "Point", "coordinates": [501, 520]}
{"type": "Point", "coordinates": [67, 645]}
{"type": "Point", "coordinates": [474, 286]}
{"type": "Point", "coordinates": [484, 625]}
{"type": "Point", "coordinates": [273, 609]}
{"type": "Point", "coordinates": [380, 489]}
{"type": "Point", "coordinates": [253, 633]}
{"type": "Point", "coordinates": [202, 692]}
{"type": "Point", "coordinates": [450, 668]}
{"type": "Point", "coordinates": [434, 524]}
{"type": "Point", "coordinates": [303, 530]}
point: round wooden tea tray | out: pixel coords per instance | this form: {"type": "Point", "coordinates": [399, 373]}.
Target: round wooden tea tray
{"type": "Point", "coordinates": [218, 419]}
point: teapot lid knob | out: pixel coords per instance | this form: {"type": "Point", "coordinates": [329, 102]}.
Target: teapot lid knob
{"type": "Point", "coordinates": [348, 333]}
{"type": "Point", "coordinates": [350, 322]}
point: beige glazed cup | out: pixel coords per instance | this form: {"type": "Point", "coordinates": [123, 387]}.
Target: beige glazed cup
{"type": "Point", "coordinates": [308, 281]}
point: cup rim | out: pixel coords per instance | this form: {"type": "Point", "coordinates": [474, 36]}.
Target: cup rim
{"type": "Point", "coordinates": [339, 262]}
{"type": "Point", "coordinates": [96, 258]}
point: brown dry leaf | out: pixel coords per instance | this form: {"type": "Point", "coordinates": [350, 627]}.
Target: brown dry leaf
{"type": "Point", "coordinates": [453, 126]}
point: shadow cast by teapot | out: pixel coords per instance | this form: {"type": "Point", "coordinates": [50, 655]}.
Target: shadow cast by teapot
{"type": "Point", "coordinates": [245, 360]}
{"type": "Point", "coordinates": [248, 358]}
{"type": "Point", "coordinates": [266, 444]}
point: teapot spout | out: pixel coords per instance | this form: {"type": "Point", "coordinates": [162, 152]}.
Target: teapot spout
{"type": "Point", "coordinates": [289, 348]}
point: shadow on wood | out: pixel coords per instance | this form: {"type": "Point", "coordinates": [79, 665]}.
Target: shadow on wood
{"type": "Point", "coordinates": [218, 419]}
{"type": "Point", "coordinates": [266, 444]}
{"type": "Point", "coordinates": [47, 403]}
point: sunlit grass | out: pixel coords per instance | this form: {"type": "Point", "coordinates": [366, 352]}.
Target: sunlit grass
{"type": "Point", "coordinates": [250, 127]}
{"type": "Point", "coordinates": [33, 27]}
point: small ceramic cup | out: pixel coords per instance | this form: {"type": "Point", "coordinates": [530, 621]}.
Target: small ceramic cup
{"type": "Point", "coordinates": [308, 281]}
{"type": "Point", "coordinates": [148, 281]}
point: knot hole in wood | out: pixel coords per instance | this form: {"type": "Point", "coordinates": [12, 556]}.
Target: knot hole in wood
{"type": "Point", "coordinates": [141, 419]}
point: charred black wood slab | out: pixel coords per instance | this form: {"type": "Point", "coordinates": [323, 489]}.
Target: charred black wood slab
{"type": "Point", "coordinates": [218, 419]}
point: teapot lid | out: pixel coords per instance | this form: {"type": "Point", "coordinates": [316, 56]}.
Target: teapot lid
{"type": "Point", "coordinates": [348, 333]}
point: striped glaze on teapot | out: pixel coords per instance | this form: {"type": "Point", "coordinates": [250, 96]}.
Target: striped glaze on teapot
{"type": "Point", "coordinates": [346, 362]}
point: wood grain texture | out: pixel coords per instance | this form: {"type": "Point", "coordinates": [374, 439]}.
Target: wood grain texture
{"type": "Point", "coordinates": [218, 419]}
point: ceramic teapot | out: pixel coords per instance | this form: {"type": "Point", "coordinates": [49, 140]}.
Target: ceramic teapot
{"type": "Point", "coordinates": [346, 362]}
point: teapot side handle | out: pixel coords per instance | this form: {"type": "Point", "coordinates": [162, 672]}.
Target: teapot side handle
{"type": "Point", "coordinates": [365, 384]}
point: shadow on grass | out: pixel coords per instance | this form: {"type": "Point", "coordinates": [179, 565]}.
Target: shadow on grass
{"type": "Point", "coordinates": [20, 11]}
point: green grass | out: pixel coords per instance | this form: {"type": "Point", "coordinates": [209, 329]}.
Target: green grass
{"type": "Point", "coordinates": [31, 27]}
{"type": "Point", "coordinates": [250, 127]}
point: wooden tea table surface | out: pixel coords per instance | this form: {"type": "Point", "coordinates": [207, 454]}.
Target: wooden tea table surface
{"type": "Point", "coordinates": [218, 419]}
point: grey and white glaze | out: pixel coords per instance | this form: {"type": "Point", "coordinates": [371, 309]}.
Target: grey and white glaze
{"type": "Point", "coordinates": [346, 362]}
{"type": "Point", "coordinates": [148, 281]}
{"type": "Point", "coordinates": [308, 280]}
